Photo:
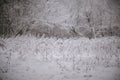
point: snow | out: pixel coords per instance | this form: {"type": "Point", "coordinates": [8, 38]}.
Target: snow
{"type": "Point", "coordinates": [31, 58]}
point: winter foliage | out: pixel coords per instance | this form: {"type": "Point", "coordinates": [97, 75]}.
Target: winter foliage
{"type": "Point", "coordinates": [31, 58]}
{"type": "Point", "coordinates": [59, 40]}
{"type": "Point", "coordinates": [98, 18]}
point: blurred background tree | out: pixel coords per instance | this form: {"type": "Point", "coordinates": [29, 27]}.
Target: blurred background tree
{"type": "Point", "coordinates": [86, 18]}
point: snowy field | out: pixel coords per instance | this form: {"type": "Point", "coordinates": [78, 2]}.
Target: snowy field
{"type": "Point", "coordinates": [31, 58]}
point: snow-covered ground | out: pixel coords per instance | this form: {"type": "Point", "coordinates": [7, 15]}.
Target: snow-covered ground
{"type": "Point", "coordinates": [31, 58]}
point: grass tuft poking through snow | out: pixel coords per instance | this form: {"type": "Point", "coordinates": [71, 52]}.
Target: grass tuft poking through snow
{"type": "Point", "coordinates": [31, 58]}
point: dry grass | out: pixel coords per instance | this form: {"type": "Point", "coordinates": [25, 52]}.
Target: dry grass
{"type": "Point", "coordinates": [79, 55]}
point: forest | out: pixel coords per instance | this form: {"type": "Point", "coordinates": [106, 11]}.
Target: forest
{"type": "Point", "coordinates": [65, 18]}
